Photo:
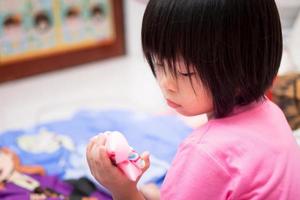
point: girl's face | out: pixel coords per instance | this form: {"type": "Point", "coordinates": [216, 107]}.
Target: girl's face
{"type": "Point", "coordinates": [186, 98]}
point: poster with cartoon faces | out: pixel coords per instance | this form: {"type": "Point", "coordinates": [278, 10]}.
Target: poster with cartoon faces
{"type": "Point", "coordinates": [86, 20]}
{"type": "Point", "coordinates": [13, 27]}
{"type": "Point", "coordinates": [42, 32]}
{"type": "Point", "coordinates": [72, 15]}
{"type": "Point", "coordinates": [32, 28]}
{"type": "Point", "coordinates": [99, 20]}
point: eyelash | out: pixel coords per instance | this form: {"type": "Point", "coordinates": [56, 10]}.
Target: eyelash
{"type": "Point", "coordinates": [180, 73]}
{"type": "Point", "coordinates": [186, 74]}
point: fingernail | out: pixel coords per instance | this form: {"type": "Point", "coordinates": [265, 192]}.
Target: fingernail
{"type": "Point", "coordinates": [146, 153]}
{"type": "Point", "coordinates": [141, 164]}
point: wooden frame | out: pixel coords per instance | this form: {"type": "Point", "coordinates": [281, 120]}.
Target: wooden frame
{"type": "Point", "coordinates": [60, 60]}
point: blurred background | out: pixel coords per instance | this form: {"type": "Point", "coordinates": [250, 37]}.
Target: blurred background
{"type": "Point", "coordinates": [124, 80]}
{"type": "Point", "coordinates": [69, 72]}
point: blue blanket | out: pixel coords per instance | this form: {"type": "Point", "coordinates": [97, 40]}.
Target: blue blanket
{"type": "Point", "coordinates": [160, 135]}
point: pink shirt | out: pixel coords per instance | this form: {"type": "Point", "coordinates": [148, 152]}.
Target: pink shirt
{"type": "Point", "coordinates": [250, 155]}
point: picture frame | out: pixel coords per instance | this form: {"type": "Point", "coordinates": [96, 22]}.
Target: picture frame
{"type": "Point", "coordinates": [68, 51]}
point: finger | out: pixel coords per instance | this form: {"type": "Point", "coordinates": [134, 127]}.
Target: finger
{"type": "Point", "coordinates": [90, 146]}
{"type": "Point", "coordinates": [146, 157]}
{"type": "Point", "coordinates": [107, 164]}
{"type": "Point", "coordinates": [104, 157]}
{"type": "Point", "coordinates": [101, 139]}
{"type": "Point", "coordinates": [95, 161]}
{"type": "Point", "coordinates": [90, 157]}
{"type": "Point", "coordinates": [95, 152]}
{"type": "Point", "coordinates": [91, 143]}
{"type": "Point", "coordinates": [150, 191]}
{"type": "Point", "coordinates": [88, 154]}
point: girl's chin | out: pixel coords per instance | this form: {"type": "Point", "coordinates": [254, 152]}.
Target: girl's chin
{"type": "Point", "coordinates": [185, 112]}
{"type": "Point", "coordinates": [189, 113]}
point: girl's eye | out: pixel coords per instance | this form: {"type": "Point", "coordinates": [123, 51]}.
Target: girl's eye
{"type": "Point", "coordinates": [187, 74]}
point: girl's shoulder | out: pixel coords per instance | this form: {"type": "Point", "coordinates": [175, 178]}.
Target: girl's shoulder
{"type": "Point", "coordinates": [261, 126]}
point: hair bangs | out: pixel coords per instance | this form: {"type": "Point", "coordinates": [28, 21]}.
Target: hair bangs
{"type": "Point", "coordinates": [166, 34]}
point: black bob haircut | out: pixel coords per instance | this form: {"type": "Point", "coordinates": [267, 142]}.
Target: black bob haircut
{"type": "Point", "coordinates": [235, 46]}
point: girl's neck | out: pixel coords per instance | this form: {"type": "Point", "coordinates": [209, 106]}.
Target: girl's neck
{"type": "Point", "coordinates": [240, 109]}
{"type": "Point", "coordinates": [210, 116]}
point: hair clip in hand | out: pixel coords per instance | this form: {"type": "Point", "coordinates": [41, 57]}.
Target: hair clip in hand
{"type": "Point", "coordinates": [123, 156]}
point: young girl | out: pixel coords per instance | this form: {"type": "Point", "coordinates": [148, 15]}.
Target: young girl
{"type": "Point", "coordinates": [216, 57]}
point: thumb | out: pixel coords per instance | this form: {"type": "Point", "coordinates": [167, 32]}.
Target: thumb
{"type": "Point", "coordinates": [146, 158]}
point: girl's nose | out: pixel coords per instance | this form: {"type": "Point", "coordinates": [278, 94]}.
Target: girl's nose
{"type": "Point", "coordinates": [167, 82]}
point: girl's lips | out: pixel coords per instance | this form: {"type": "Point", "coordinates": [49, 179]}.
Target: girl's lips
{"type": "Point", "coordinates": [172, 104]}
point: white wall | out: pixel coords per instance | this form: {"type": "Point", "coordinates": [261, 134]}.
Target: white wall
{"type": "Point", "coordinates": [119, 82]}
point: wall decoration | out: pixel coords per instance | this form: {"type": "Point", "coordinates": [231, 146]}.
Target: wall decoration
{"type": "Point", "coordinates": [43, 35]}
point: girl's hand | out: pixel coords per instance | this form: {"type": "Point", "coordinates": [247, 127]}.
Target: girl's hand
{"type": "Point", "coordinates": [108, 174]}
{"type": "Point", "coordinates": [150, 191]}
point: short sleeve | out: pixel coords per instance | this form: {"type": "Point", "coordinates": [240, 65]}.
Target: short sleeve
{"type": "Point", "coordinates": [194, 175]}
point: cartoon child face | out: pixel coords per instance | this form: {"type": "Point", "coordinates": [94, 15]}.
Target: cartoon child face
{"type": "Point", "coordinates": [42, 22]}
{"type": "Point", "coordinates": [12, 25]}
{"type": "Point", "coordinates": [97, 13]}
{"type": "Point", "coordinates": [73, 18]}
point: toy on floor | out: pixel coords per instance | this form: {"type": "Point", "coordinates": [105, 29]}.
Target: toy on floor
{"type": "Point", "coordinates": [18, 181]}
{"type": "Point", "coordinates": [123, 155]}
{"type": "Point", "coordinates": [12, 170]}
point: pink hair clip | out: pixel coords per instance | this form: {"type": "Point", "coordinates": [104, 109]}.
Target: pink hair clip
{"type": "Point", "coordinates": [123, 155]}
